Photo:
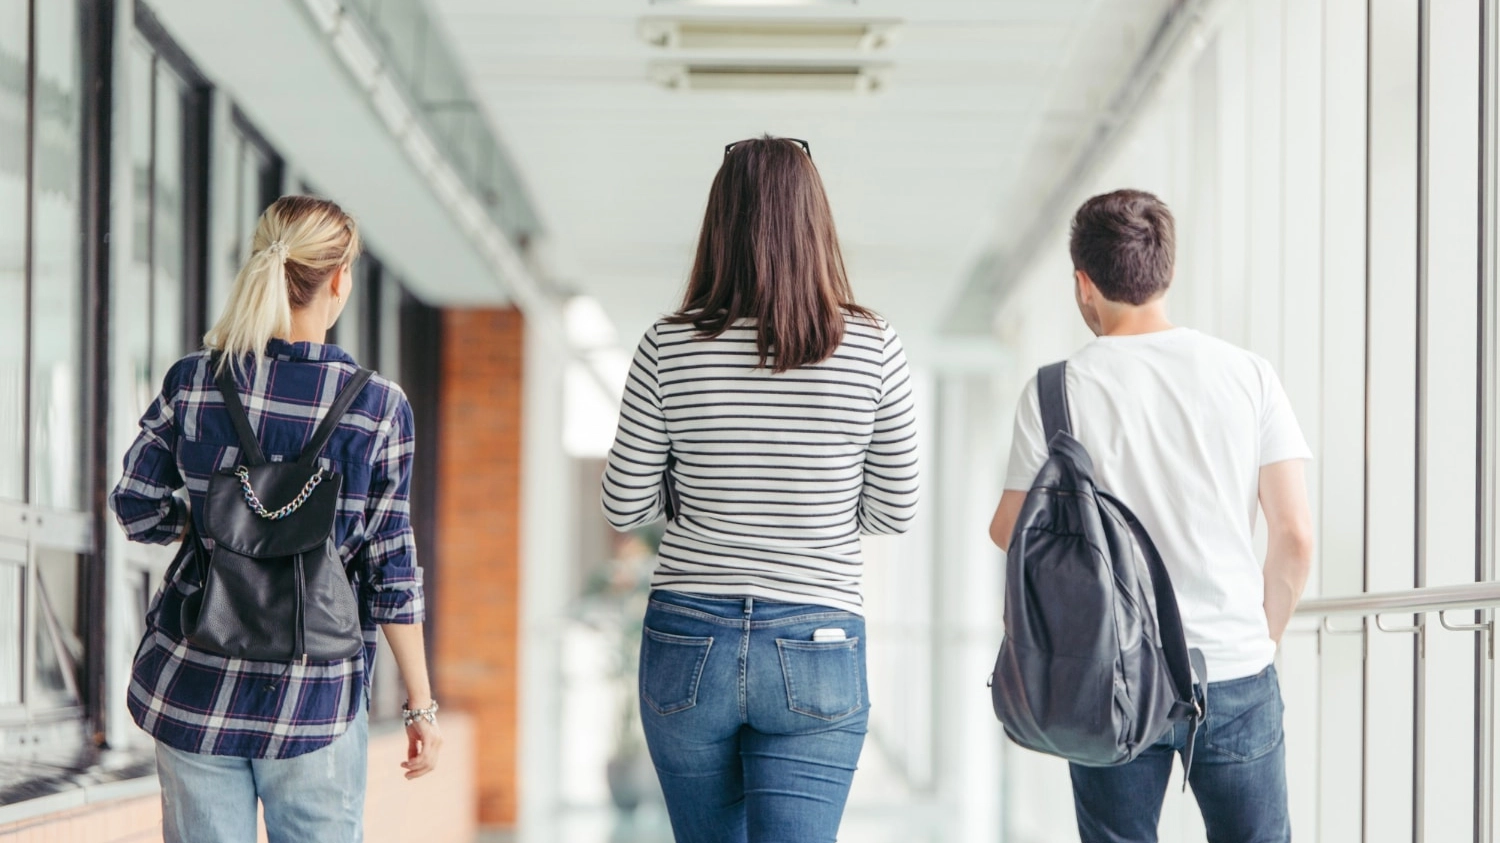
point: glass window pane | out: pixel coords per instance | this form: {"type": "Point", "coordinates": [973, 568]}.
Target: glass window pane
{"type": "Point", "coordinates": [11, 571]}
{"type": "Point", "coordinates": [131, 386]}
{"type": "Point", "coordinates": [250, 173]}
{"type": "Point", "coordinates": [263, 185]}
{"type": "Point", "coordinates": [390, 326]}
{"type": "Point", "coordinates": [12, 250]}
{"type": "Point", "coordinates": [57, 280]}
{"type": "Point", "coordinates": [59, 646]}
{"type": "Point", "coordinates": [228, 147]}
{"type": "Point", "coordinates": [403, 27]}
{"type": "Point", "coordinates": [255, 173]}
{"type": "Point", "coordinates": [248, 191]}
{"type": "Point", "coordinates": [169, 250]}
{"type": "Point", "coordinates": [349, 330]}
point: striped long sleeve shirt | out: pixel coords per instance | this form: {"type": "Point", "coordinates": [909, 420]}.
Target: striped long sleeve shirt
{"type": "Point", "coordinates": [776, 475]}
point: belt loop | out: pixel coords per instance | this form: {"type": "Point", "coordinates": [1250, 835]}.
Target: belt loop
{"type": "Point", "coordinates": [749, 605]}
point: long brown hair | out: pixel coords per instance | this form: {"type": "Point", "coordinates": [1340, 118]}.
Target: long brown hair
{"type": "Point", "coordinates": [769, 252]}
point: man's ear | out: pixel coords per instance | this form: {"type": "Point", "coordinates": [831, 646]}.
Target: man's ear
{"type": "Point", "coordinates": [1087, 292]}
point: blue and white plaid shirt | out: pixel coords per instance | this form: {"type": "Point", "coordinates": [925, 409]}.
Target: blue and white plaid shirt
{"type": "Point", "coordinates": [205, 703]}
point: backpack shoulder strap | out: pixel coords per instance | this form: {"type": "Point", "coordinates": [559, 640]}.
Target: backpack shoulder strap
{"type": "Point", "coordinates": [330, 422]}
{"type": "Point", "coordinates": [1052, 393]}
{"type": "Point", "coordinates": [224, 379]}
{"type": "Point", "coordinates": [1187, 667]}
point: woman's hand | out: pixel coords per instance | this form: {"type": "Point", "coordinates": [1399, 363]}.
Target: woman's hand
{"type": "Point", "coordinates": [424, 741]}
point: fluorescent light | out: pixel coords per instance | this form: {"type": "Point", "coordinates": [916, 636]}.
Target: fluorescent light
{"type": "Point", "coordinates": [834, 78]}
{"type": "Point", "coordinates": [754, 3]}
{"type": "Point", "coordinates": [719, 33]}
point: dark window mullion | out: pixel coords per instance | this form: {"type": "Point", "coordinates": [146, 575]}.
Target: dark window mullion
{"type": "Point", "coordinates": [151, 219]}
{"type": "Point", "coordinates": [197, 112]}
{"type": "Point", "coordinates": [369, 280]}
{"type": "Point", "coordinates": [29, 252]}
{"type": "Point", "coordinates": [28, 604]}
{"type": "Point", "coordinates": [97, 18]}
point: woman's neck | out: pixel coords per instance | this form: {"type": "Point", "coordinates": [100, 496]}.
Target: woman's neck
{"type": "Point", "coordinates": [308, 326]}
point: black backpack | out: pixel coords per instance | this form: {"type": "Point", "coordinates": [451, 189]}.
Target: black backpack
{"type": "Point", "coordinates": [274, 588]}
{"type": "Point", "coordinates": [1094, 666]}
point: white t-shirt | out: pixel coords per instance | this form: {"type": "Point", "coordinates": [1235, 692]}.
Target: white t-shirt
{"type": "Point", "coordinates": [1179, 425]}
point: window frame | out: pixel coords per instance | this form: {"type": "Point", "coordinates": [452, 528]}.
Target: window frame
{"type": "Point", "coordinates": [26, 528]}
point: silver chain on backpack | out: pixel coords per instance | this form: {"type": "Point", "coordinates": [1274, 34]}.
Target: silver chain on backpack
{"type": "Point", "coordinates": [260, 509]}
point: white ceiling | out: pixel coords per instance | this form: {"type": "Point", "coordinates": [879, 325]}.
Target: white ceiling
{"type": "Point", "coordinates": [983, 106]}
{"type": "Point", "coordinates": [299, 96]}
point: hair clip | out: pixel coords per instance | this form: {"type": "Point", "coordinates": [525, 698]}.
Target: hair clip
{"type": "Point", "coordinates": [279, 249]}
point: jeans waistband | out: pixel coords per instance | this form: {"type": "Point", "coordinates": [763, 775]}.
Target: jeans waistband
{"type": "Point", "coordinates": [736, 610]}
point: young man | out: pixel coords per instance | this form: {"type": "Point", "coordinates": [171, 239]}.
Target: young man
{"type": "Point", "coordinates": [1191, 433]}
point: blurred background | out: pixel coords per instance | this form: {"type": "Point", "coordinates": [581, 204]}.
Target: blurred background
{"type": "Point", "coordinates": [530, 176]}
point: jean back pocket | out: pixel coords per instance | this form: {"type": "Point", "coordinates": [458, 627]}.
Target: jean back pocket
{"type": "Point", "coordinates": [823, 678]}
{"type": "Point", "coordinates": [671, 667]}
{"type": "Point", "coordinates": [1244, 718]}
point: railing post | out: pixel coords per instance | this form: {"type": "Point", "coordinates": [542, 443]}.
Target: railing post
{"type": "Point", "coordinates": [1486, 398]}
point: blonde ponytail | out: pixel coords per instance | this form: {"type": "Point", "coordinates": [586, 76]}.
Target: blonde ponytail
{"type": "Point", "coordinates": [299, 244]}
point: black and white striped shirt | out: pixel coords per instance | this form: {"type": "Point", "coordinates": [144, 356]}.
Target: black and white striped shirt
{"type": "Point", "coordinates": [777, 474]}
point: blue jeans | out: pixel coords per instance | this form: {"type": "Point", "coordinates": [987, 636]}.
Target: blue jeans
{"type": "Point", "coordinates": [1238, 775]}
{"type": "Point", "coordinates": [319, 796]}
{"type": "Point", "coordinates": [755, 728]}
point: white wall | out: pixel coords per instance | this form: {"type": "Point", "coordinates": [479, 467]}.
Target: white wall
{"type": "Point", "coordinates": [1261, 146]}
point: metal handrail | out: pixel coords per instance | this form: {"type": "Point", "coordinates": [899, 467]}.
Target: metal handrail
{"type": "Point", "coordinates": [1437, 598]}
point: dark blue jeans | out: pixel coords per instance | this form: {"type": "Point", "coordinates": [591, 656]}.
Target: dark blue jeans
{"type": "Point", "coordinates": [1238, 776]}
{"type": "Point", "coordinates": [755, 728]}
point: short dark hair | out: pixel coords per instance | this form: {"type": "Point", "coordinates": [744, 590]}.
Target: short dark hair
{"type": "Point", "coordinates": [1126, 241]}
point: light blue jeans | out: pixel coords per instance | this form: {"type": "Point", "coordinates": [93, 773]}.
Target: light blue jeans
{"type": "Point", "coordinates": [318, 797]}
{"type": "Point", "coordinates": [755, 728]}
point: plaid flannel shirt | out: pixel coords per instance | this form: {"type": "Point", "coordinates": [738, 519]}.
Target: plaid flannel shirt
{"type": "Point", "coordinates": [205, 703]}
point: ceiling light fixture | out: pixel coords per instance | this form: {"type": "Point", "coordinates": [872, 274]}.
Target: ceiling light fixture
{"type": "Point", "coordinates": [754, 3]}
{"type": "Point", "coordinates": [761, 34]}
{"type": "Point", "coordinates": [799, 78]}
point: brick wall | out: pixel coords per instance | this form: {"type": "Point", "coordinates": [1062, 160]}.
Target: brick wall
{"type": "Point", "coordinates": [477, 576]}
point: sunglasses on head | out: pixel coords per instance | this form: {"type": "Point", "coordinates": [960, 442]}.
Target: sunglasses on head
{"type": "Point", "coordinates": [798, 141]}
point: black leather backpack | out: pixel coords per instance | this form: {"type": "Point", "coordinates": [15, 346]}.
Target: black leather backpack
{"type": "Point", "coordinates": [1094, 666]}
{"type": "Point", "coordinates": [274, 587]}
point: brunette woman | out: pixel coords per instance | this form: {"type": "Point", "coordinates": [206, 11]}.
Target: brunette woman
{"type": "Point", "coordinates": [770, 419]}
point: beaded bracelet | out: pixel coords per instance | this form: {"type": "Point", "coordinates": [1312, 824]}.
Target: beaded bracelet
{"type": "Point", "coordinates": [429, 714]}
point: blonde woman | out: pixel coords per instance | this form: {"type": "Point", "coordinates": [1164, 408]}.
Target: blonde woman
{"type": "Point", "coordinates": [233, 734]}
